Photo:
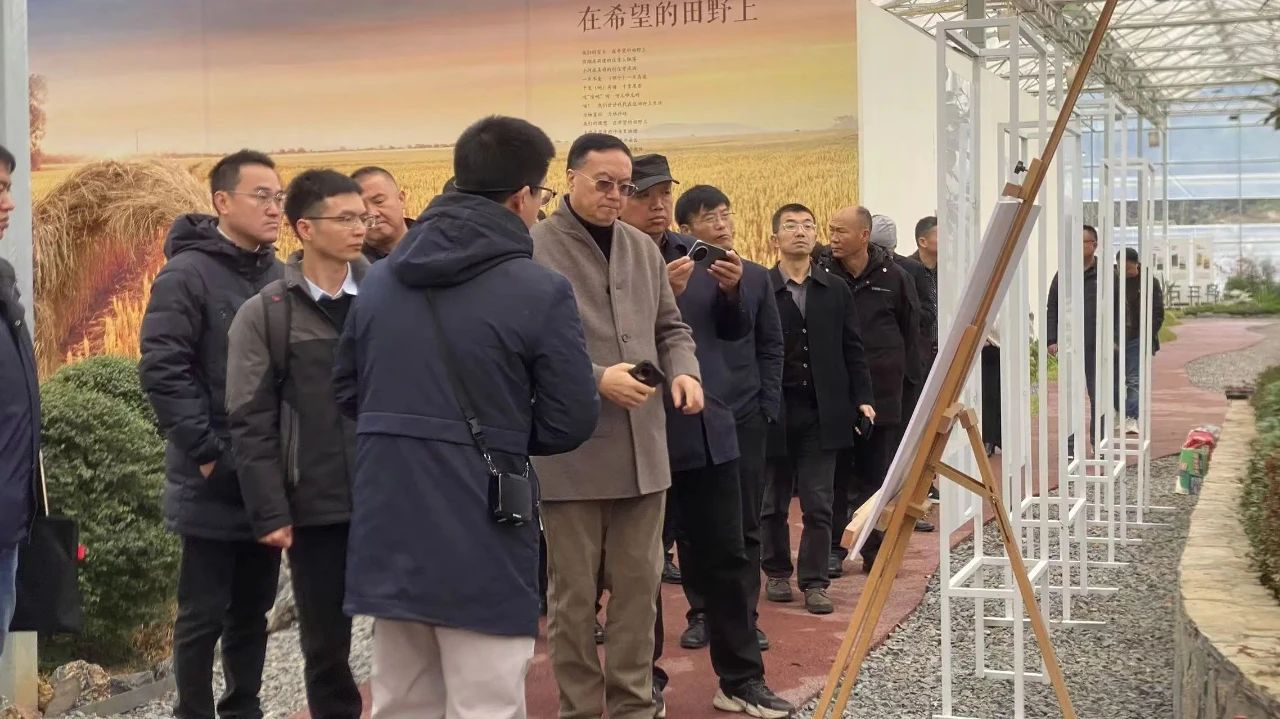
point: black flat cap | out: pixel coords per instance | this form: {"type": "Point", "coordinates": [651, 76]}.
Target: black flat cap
{"type": "Point", "coordinates": [650, 170]}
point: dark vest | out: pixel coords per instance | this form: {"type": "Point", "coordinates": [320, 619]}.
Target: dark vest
{"type": "Point", "coordinates": [797, 375]}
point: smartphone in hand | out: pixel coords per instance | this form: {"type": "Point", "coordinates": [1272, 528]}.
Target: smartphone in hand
{"type": "Point", "coordinates": [704, 255]}
{"type": "Point", "coordinates": [648, 374]}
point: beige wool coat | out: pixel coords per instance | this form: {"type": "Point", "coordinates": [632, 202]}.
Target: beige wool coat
{"type": "Point", "coordinates": [629, 314]}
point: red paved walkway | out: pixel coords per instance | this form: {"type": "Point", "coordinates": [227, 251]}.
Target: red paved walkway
{"type": "Point", "coordinates": [805, 645]}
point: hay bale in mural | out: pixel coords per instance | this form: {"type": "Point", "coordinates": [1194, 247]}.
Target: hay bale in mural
{"type": "Point", "coordinates": [99, 240]}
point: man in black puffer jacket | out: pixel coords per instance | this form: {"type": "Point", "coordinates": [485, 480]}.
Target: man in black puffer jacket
{"type": "Point", "coordinates": [227, 581]}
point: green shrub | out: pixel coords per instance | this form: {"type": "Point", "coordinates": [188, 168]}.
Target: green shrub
{"type": "Point", "coordinates": [105, 467]}
{"type": "Point", "coordinates": [1260, 492]}
{"type": "Point", "coordinates": [113, 376]}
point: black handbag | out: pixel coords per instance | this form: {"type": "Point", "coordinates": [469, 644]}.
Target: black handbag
{"type": "Point", "coordinates": [48, 590]}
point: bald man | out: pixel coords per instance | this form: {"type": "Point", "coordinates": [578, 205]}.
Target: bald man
{"type": "Point", "coordinates": [888, 316]}
{"type": "Point", "coordinates": [384, 200]}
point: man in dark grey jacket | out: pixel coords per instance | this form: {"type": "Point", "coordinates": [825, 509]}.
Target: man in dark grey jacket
{"type": "Point", "coordinates": [294, 449]}
{"type": "Point", "coordinates": [227, 580]}
{"type": "Point", "coordinates": [19, 416]}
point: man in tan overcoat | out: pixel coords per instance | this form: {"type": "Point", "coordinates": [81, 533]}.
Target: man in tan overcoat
{"type": "Point", "coordinates": [602, 505]}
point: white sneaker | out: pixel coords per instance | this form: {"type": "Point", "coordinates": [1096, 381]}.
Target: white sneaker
{"type": "Point", "coordinates": [1131, 425]}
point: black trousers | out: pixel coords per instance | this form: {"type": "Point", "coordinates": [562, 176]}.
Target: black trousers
{"type": "Point", "coordinates": [752, 435]}
{"type": "Point", "coordinates": [809, 470]}
{"type": "Point", "coordinates": [714, 565]}
{"type": "Point", "coordinates": [225, 590]}
{"type": "Point", "coordinates": [860, 473]}
{"type": "Point", "coordinates": [1090, 387]}
{"type": "Point", "coordinates": [318, 560]}
{"type": "Point", "coordinates": [991, 409]}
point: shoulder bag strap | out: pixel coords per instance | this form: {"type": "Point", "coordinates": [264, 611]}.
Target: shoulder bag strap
{"type": "Point", "coordinates": [460, 393]}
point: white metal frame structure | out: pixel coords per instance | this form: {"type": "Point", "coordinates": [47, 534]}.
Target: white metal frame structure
{"type": "Point", "coordinates": [985, 577]}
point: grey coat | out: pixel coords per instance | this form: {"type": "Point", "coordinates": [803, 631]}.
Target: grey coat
{"type": "Point", "coordinates": [629, 314]}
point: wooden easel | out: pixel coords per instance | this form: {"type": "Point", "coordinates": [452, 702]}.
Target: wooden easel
{"type": "Point", "coordinates": [926, 462]}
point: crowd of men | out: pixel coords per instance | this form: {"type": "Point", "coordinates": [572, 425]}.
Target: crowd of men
{"type": "Point", "coordinates": [415, 410]}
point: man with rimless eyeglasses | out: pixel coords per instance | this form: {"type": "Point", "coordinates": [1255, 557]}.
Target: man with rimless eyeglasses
{"type": "Point", "coordinates": [602, 504]}
{"type": "Point", "coordinates": [227, 580]}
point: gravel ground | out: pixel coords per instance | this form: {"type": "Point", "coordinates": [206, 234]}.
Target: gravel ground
{"type": "Point", "coordinates": [1121, 671]}
{"type": "Point", "coordinates": [283, 693]}
{"type": "Point", "coordinates": [1216, 372]}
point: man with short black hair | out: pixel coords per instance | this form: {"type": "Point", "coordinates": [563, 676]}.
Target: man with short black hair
{"type": "Point", "coordinates": [460, 341]}
{"type": "Point", "coordinates": [293, 447]}
{"type": "Point", "coordinates": [603, 503]}
{"type": "Point", "coordinates": [227, 580]}
{"type": "Point", "coordinates": [755, 395]}
{"type": "Point", "coordinates": [705, 489]}
{"type": "Point", "coordinates": [826, 389]}
{"type": "Point", "coordinates": [19, 415]}
{"type": "Point", "coordinates": [1128, 331]}
{"type": "Point", "coordinates": [1089, 246]}
{"type": "Point", "coordinates": [385, 202]}
{"type": "Point", "coordinates": [927, 255]}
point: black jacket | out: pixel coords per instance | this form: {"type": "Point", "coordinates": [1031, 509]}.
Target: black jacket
{"type": "Point", "coordinates": [184, 371]}
{"type": "Point", "coordinates": [888, 316]}
{"type": "Point", "coordinates": [423, 546]}
{"type": "Point", "coordinates": [1131, 289]}
{"type": "Point", "coordinates": [295, 449]}
{"type": "Point", "coordinates": [840, 375]}
{"type": "Point", "coordinates": [1090, 311]}
{"type": "Point", "coordinates": [755, 361]}
{"type": "Point", "coordinates": [714, 319]}
{"type": "Point", "coordinates": [927, 291]}
{"type": "Point", "coordinates": [19, 461]}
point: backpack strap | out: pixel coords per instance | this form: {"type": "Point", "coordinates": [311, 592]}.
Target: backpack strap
{"type": "Point", "coordinates": [277, 313]}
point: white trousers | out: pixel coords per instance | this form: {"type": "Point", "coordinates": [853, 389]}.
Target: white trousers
{"type": "Point", "coordinates": [422, 671]}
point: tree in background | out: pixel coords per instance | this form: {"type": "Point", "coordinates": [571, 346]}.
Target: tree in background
{"type": "Point", "coordinates": [38, 94]}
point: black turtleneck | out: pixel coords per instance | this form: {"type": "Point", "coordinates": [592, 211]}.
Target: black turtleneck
{"type": "Point", "coordinates": [602, 235]}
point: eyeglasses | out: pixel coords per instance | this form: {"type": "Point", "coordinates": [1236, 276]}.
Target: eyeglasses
{"type": "Point", "coordinates": [544, 195]}
{"type": "Point", "coordinates": [793, 226]}
{"type": "Point", "coordinates": [351, 222]}
{"type": "Point", "coordinates": [263, 198]}
{"type": "Point", "coordinates": [711, 217]}
{"type": "Point", "coordinates": [604, 186]}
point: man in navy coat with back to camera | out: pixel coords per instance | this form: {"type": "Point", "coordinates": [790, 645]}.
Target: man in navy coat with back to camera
{"type": "Point", "coordinates": [455, 592]}
{"type": "Point", "coordinates": [703, 449]}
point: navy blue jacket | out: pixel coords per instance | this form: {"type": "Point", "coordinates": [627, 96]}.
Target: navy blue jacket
{"type": "Point", "coordinates": [423, 546]}
{"type": "Point", "coordinates": [19, 416]}
{"type": "Point", "coordinates": [714, 319]}
{"type": "Point", "coordinates": [755, 361]}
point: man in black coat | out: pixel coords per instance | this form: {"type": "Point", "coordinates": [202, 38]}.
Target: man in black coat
{"type": "Point", "coordinates": [755, 394]}
{"type": "Point", "coordinates": [927, 255]}
{"type": "Point", "coordinates": [294, 448]}
{"type": "Point", "coordinates": [459, 312]}
{"type": "Point", "coordinates": [826, 389]}
{"type": "Point", "coordinates": [227, 579]}
{"type": "Point", "coordinates": [1090, 318]}
{"type": "Point", "coordinates": [888, 316]}
{"type": "Point", "coordinates": [703, 449]}
{"type": "Point", "coordinates": [19, 415]}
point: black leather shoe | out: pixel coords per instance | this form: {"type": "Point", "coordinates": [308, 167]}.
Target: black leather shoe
{"type": "Point", "coordinates": [695, 637]}
{"type": "Point", "coordinates": [924, 526]}
{"type": "Point", "coordinates": [761, 640]}
{"type": "Point", "coordinates": [835, 566]}
{"type": "Point", "coordinates": [670, 572]}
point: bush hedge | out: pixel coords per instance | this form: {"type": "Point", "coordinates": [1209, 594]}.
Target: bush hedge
{"type": "Point", "coordinates": [1260, 498]}
{"type": "Point", "coordinates": [104, 461]}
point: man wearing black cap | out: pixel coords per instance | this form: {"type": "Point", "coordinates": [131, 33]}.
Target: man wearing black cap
{"type": "Point", "coordinates": [1130, 288]}
{"type": "Point", "coordinates": [703, 450]}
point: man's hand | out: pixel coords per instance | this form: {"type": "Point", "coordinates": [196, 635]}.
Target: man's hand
{"type": "Point", "coordinates": [728, 272]}
{"type": "Point", "coordinates": [868, 411]}
{"type": "Point", "coordinates": [207, 469]}
{"type": "Point", "coordinates": [620, 388]}
{"type": "Point", "coordinates": [1053, 350]}
{"type": "Point", "coordinates": [678, 273]}
{"type": "Point", "coordinates": [280, 539]}
{"type": "Point", "coordinates": [686, 394]}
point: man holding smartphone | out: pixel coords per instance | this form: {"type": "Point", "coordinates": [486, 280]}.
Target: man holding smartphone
{"type": "Point", "coordinates": [602, 504]}
{"type": "Point", "coordinates": [705, 493]}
